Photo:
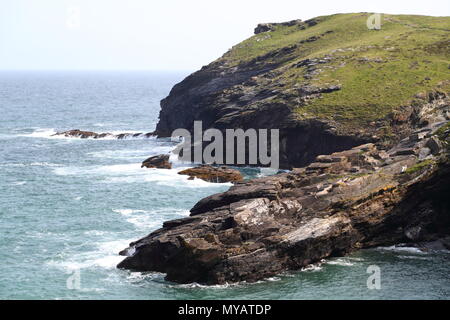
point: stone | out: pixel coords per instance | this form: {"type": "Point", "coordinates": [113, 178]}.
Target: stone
{"type": "Point", "coordinates": [263, 27]}
{"type": "Point", "coordinates": [424, 153]}
{"type": "Point", "coordinates": [434, 144]}
{"type": "Point", "coordinates": [160, 162]}
{"type": "Point", "coordinates": [213, 174]}
{"type": "Point", "coordinates": [405, 152]}
{"type": "Point", "coordinates": [418, 136]}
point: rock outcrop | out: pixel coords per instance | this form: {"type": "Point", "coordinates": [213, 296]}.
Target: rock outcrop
{"type": "Point", "coordinates": [299, 77]}
{"type": "Point", "coordinates": [76, 133]}
{"type": "Point", "coordinates": [357, 198]}
{"type": "Point", "coordinates": [159, 162]}
{"type": "Point", "coordinates": [213, 174]}
{"type": "Point", "coordinates": [363, 126]}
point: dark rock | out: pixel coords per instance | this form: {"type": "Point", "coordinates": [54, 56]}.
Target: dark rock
{"type": "Point", "coordinates": [76, 133]}
{"type": "Point", "coordinates": [213, 174]}
{"type": "Point", "coordinates": [405, 152]}
{"type": "Point", "coordinates": [80, 134]}
{"type": "Point", "coordinates": [262, 227]}
{"type": "Point", "coordinates": [424, 152]}
{"type": "Point", "coordinates": [435, 145]}
{"type": "Point", "coordinates": [264, 27]}
{"type": "Point", "coordinates": [160, 161]}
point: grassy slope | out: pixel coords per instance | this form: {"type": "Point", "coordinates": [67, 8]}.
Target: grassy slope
{"type": "Point", "coordinates": [379, 70]}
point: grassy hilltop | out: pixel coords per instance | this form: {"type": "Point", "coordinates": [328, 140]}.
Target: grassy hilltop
{"type": "Point", "coordinates": [377, 70]}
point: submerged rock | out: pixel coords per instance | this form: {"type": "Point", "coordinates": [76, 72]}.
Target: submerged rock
{"type": "Point", "coordinates": [213, 174]}
{"type": "Point", "coordinates": [160, 162]}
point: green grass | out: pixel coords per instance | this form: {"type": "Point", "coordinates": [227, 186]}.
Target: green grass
{"type": "Point", "coordinates": [419, 166]}
{"type": "Point", "coordinates": [379, 70]}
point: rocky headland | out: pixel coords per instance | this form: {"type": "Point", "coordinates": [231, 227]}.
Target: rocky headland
{"type": "Point", "coordinates": [364, 129]}
{"type": "Point", "coordinates": [358, 198]}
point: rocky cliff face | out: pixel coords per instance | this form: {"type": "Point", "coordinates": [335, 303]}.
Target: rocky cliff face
{"type": "Point", "coordinates": [364, 123]}
{"type": "Point", "coordinates": [328, 83]}
{"type": "Point", "coordinates": [347, 200]}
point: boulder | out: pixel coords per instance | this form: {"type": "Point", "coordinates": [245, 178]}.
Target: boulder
{"type": "Point", "coordinates": [264, 27]}
{"type": "Point", "coordinates": [435, 145]}
{"type": "Point", "coordinates": [213, 174]}
{"type": "Point", "coordinates": [160, 162]}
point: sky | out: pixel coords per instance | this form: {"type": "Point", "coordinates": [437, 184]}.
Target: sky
{"type": "Point", "coordinates": [154, 35]}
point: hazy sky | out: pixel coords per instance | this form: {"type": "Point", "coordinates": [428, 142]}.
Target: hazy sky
{"type": "Point", "coordinates": [149, 34]}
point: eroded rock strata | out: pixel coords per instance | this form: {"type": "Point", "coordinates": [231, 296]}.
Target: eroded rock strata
{"type": "Point", "coordinates": [358, 198]}
{"type": "Point", "coordinates": [363, 119]}
{"type": "Point", "coordinates": [320, 84]}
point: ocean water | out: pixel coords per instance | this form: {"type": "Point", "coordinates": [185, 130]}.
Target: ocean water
{"type": "Point", "coordinates": [68, 205]}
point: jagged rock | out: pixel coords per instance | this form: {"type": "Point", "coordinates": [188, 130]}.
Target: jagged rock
{"type": "Point", "coordinates": [160, 161]}
{"type": "Point", "coordinates": [329, 158]}
{"type": "Point", "coordinates": [213, 174]}
{"type": "Point", "coordinates": [418, 136]}
{"type": "Point", "coordinates": [265, 226]}
{"type": "Point", "coordinates": [405, 152]}
{"type": "Point", "coordinates": [76, 133]}
{"type": "Point", "coordinates": [81, 134]}
{"type": "Point", "coordinates": [435, 145]}
{"type": "Point", "coordinates": [263, 27]}
{"type": "Point", "coordinates": [424, 152]}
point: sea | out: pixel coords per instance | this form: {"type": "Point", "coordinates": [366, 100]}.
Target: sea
{"type": "Point", "coordinates": [69, 205]}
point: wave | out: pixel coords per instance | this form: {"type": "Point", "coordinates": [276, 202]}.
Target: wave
{"type": "Point", "coordinates": [104, 256]}
{"type": "Point", "coordinates": [395, 248]}
{"type": "Point", "coordinates": [143, 219]}
{"type": "Point", "coordinates": [140, 154]}
{"type": "Point", "coordinates": [49, 133]}
{"type": "Point", "coordinates": [31, 164]}
{"type": "Point", "coordinates": [313, 267]}
{"type": "Point", "coordinates": [344, 262]}
{"type": "Point", "coordinates": [18, 183]}
{"type": "Point", "coordinates": [133, 173]}
{"type": "Point", "coordinates": [40, 133]}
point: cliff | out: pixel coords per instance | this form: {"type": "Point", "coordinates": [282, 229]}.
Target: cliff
{"type": "Point", "coordinates": [328, 83]}
{"type": "Point", "coordinates": [364, 123]}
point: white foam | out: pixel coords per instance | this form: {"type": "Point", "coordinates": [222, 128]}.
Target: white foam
{"type": "Point", "coordinates": [340, 262]}
{"type": "Point", "coordinates": [143, 219]}
{"type": "Point", "coordinates": [19, 183]}
{"type": "Point", "coordinates": [140, 154]}
{"type": "Point", "coordinates": [133, 173]}
{"type": "Point", "coordinates": [313, 267]}
{"type": "Point", "coordinates": [105, 256]}
{"type": "Point", "coordinates": [40, 133]}
{"type": "Point", "coordinates": [49, 133]}
{"type": "Point", "coordinates": [99, 170]}
{"type": "Point", "coordinates": [402, 249]}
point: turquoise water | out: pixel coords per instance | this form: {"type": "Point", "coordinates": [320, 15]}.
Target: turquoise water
{"type": "Point", "coordinates": [68, 206]}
